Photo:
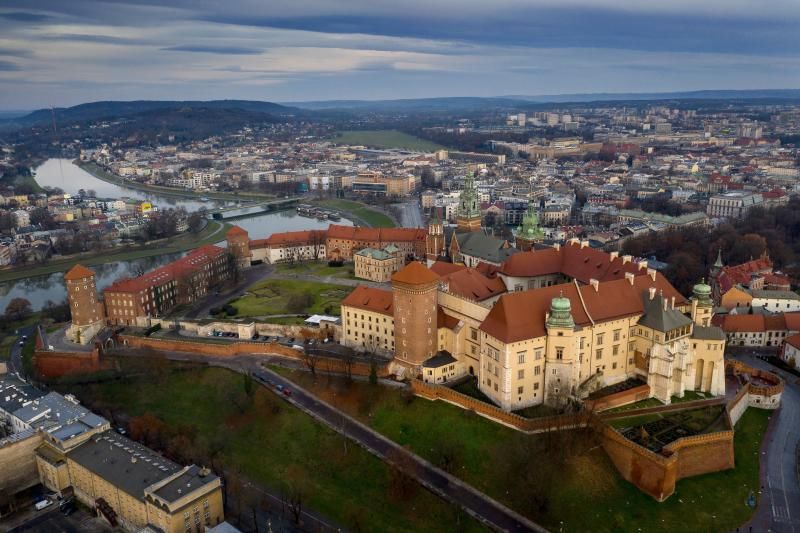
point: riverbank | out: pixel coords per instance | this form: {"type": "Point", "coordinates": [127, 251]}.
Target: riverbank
{"type": "Point", "coordinates": [358, 212]}
{"type": "Point", "coordinates": [214, 232]}
{"type": "Point", "coordinates": [101, 174]}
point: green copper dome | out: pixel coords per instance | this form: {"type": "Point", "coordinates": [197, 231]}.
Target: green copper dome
{"type": "Point", "coordinates": [530, 229]}
{"type": "Point", "coordinates": [702, 292]}
{"type": "Point", "coordinates": [560, 313]}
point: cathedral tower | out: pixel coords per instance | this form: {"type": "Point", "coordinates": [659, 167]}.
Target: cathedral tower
{"type": "Point", "coordinates": [469, 212]}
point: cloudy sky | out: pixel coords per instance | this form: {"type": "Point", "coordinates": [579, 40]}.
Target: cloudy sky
{"type": "Point", "coordinates": [64, 52]}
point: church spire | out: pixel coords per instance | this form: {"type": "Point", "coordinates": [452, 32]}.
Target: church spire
{"type": "Point", "coordinates": [469, 213]}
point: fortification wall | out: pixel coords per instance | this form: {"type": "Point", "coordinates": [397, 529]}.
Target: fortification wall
{"type": "Point", "coordinates": [18, 460]}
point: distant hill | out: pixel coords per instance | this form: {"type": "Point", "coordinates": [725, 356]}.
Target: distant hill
{"type": "Point", "coordinates": [526, 101]}
{"type": "Point", "coordinates": [118, 109]}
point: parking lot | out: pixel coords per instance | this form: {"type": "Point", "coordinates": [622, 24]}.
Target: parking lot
{"type": "Point", "coordinates": [52, 521]}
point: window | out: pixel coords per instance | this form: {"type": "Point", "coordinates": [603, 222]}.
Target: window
{"type": "Point", "coordinates": [535, 386]}
{"type": "Point", "coordinates": [555, 371]}
{"type": "Point", "coordinates": [521, 358]}
{"type": "Point", "coordinates": [598, 353]}
{"type": "Point", "coordinates": [614, 366]}
{"type": "Point", "coordinates": [599, 339]}
{"type": "Point", "coordinates": [537, 370]}
{"type": "Point", "coordinates": [519, 390]}
{"type": "Point", "coordinates": [473, 334]}
{"type": "Point", "coordinates": [617, 333]}
{"type": "Point", "coordinates": [538, 354]}
{"type": "Point", "coordinates": [615, 350]}
{"type": "Point", "coordinates": [559, 352]}
{"type": "Point", "coordinates": [520, 374]}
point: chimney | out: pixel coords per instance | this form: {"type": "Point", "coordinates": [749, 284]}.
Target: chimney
{"type": "Point", "coordinates": [652, 273]}
{"type": "Point", "coordinates": [673, 302]}
{"type": "Point", "coordinates": [666, 302]}
{"type": "Point", "coordinates": [630, 277]}
{"type": "Point", "coordinates": [613, 255]}
{"type": "Point", "coordinates": [626, 259]}
{"type": "Point", "coordinates": [642, 264]}
{"type": "Point", "coordinates": [557, 246]}
{"type": "Point", "coordinates": [584, 244]}
{"type": "Point", "coordinates": [652, 292]}
{"type": "Point", "coordinates": [595, 283]}
{"type": "Point", "coordinates": [574, 240]}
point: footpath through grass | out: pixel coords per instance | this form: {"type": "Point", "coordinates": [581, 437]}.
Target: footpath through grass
{"type": "Point", "coordinates": [585, 493]}
{"type": "Point", "coordinates": [214, 232]}
{"type": "Point", "coordinates": [386, 139]}
{"type": "Point", "coordinates": [360, 212]}
{"type": "Point", "coordinates": [272, 444]}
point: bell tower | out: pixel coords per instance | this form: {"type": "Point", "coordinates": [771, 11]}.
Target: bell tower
{"type": "Point", "coordinates": [469, 212]}
{"type": "Point", "coordinates": [434, 240]}
{"type": "Point", "coordinates": [560, 356]}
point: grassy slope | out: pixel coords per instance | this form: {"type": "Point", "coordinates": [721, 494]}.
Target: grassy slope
{"type": "Point", "coordinates": [270, 297]}
{"type": "Point", "coordinates": [386, 139]}
{"type": "Point", "coordinates": [271, 441]}
{"type": "Point", "coordinates": [180, 243]}
{"type": "Point", "coordinates": [591, 496]}
{"type": "Point", "coordinates": [368, 216]}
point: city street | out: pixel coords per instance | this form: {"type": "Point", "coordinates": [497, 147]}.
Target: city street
{"type": "Point", "coordinates": [15, 361]}
{"type": "Point", "coordinates": [779, 508]}
{"type": "Point", "coordinates": [410, 214]}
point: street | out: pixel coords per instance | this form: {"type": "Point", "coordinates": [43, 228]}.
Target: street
{"type": "Point", "coordinates": [410, 214]}
{"type": "Point", "coordinates": [15, 361]}
{"type": "Point", "coordinates": [779, 508]}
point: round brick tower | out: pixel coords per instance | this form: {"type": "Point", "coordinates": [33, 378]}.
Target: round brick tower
{"type": "Point", "coordinates": [414, 290]}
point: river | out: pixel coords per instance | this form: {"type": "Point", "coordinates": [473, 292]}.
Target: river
{"type": "Point", "coordinates": [51, 287]}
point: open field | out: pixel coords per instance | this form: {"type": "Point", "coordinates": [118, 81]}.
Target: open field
{"type": "Point", "coordinates": [385, 139]}
{"type": "Point", "coordinates": [214, 232]}
{"type": "Point", "coordinates": [360, 213]}
{"type": "Point", "coordinates": [582, 490]}
{"type": "Point", "coordinates": [274, 297]}
{"type": "Point", "coordinates": [102, 174]}
{"type": "Point", "coordinates": [274, 444]}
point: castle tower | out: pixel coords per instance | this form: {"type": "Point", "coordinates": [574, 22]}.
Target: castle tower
{"type": "Point", "coordinates": [702, 305]}
{"type": "Point", "coordinates": [469, 212]}
{"type": "Point", "coordinates": [86, 310]}
{"type": "Point", "coordinates": [560, 380]}
{"type": "Point", "coordinates": [239, 245]}
{"type": "Point", "coordinates": [414, 296]}
{"type": "Point", "coordinates": [434, 240]}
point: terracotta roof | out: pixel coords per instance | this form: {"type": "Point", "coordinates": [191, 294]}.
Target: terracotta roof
{"type": "Point", "coordinates": [521, 315]}
{"type": "Point", "coordinates": [370, 299]}
{"type": "Point", "coordinates": [792, 321]}
{"type": "Point", "coordinates": [78, 272]}
{"type": "Point", "coordinates": [743, 323]}
{"type": "Point", "coordinates": [471, 284]}
{"type": "Point", "coordinates": [236, 230]}
{"type": "Point", "coordinates": [741, 274]}
{"type": "Point", "coordinates": [573, 260]}
{"type": "Point", "coordinates": [415, 273]}
{"type": "Point", "coordinates": [297, 238]}
{"type": "Point", "coordinates": [444, 268]}
{"type": "Point", "coordinates": [794, 340]}
{"type": "Point", "coordinates": [337, 231]}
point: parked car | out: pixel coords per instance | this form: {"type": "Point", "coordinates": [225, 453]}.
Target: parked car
{"type": "Point", "coordinates": [279, 387]}
{"type": "Point", "coordinates": [42, 504]}
{"type": "Point", "coordinates": [287, 392]}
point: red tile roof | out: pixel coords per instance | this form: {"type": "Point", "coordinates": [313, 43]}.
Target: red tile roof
{"type": "Point", "coordinates": [294, 238]}
{"type": "Point", "coordinates": [471, 284]}
{"type": "Point", "coordinates": [521, 315]}
{"type": "Point", "coordinates": [415, 273]}
{"type": "Point", "coordinates": [336, 231]}
{"type": "Point", "coordinates": [370, 299]}
{"type": "Point", "coordinates": [78, 272]}
{"type": "Point", "coordinates": [236, 230]}
{"type": "Point", "coordinates": [444, 268]}
{"type": "Point", "coordinates": [573, 260]}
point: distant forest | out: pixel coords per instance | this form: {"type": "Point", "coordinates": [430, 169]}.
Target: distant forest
{"type": "Point", "coordinates": [691, 252]}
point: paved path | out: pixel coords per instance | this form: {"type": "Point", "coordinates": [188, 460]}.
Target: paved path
{"type": "Point", "coordinates": [15, 361]}
{"type": "Point", "coordinates": [450, 488]}
{"type": "Point", "coordinates": [248, 277]}
{"type": "Point", "coordinates": [779, 508]}
{"type": "Point", "coordinates": [410, 214]}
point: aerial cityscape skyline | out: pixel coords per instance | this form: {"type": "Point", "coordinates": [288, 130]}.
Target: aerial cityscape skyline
{"type": "Point", "coordinates": [55, 53]}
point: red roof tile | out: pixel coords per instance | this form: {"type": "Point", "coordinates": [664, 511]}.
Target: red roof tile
{"type": "Point", "coordinates": [78, 272]}
{"type": "Point", "coordinates": [415, 273]}
{"type": "Point", "coordinates": [370, 299]}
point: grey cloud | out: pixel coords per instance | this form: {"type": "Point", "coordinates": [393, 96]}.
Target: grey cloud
{"type": "Point", "coordinates": [89, 38]}
{"type": "Point", "coordinates": [24, 16]}
{"type": "Point", "coordinates": [211, 49]}
{"type": "Point", "coordinates": [9, 66]}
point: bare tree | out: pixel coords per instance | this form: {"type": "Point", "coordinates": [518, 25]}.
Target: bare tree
{"type": "Point", "coordinates": [310, 359]}
{"type": "Point", "coordinates": [317, 241]}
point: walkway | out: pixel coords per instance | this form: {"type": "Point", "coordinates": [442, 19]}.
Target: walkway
{"type": "Point", "coordinates": [779, 508]}
{"type": "Point", "coordinates": [479, 505]}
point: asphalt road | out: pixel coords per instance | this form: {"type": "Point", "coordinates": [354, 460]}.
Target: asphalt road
{"type": "Point", "coordinates": [779, 509]}
{"type": "Point", "coordinates": [448, 487]}
{"type": "Point", "coordinates": [410, 215]}
{"type": "Point", "coordinates": [15, 361]}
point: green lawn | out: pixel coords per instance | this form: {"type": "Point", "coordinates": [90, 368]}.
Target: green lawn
{"type": "Point", "coordinates": [385, 139]}
{"type": "Point", "coordinates": [316, 268]}
{"type": "Point", "coordinates": [213, 233]}
{"type": "Point", "coordinates": [363, 214]}
{"type": "Point", "coordinates": [271, 297]}
{"type": "Point", "coordinates": [585, 494]}
{"type": "Point", "coordinates": [272, 442]}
